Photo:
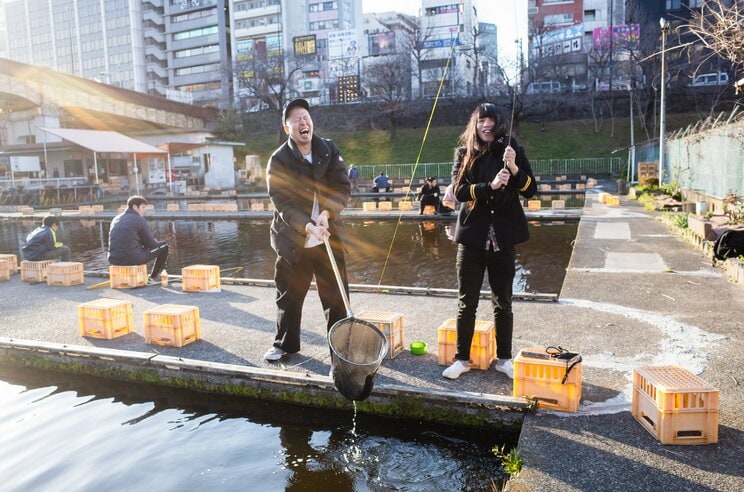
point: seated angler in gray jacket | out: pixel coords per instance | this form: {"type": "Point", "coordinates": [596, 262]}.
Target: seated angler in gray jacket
{"type": "Point", "coordinates": [42, 243]}
{"type": "Point", "coordinates": [132, 243]}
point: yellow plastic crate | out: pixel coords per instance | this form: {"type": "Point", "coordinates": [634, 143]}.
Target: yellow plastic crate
{"type": "Point", "coordinates": [34, 271]}
{"type": "Point", "coordinates": [65, 274]}
{"type": "Point", "coordinates": [4, 271]}
{"type": "Point", "coordinates": [541, 379]}
{"type": "Point", "coordinates": [201, 278]}
{"type": "Point", "coordinates": [674, 405]}
{"type": "Point", "coordinates": [369, 206]}
{"type": "Point", "coordinates": [385, 206]}
{"type": "Point", "coordinates": [430, 210]}
{"type": "Point", "coordinates": [127, 277]}
{"type": "Point", "coordinates": [172, 324]}
{"type": "Point", "coordinates": [105, 318]}
{"type": "Point", "coordinates": [613, 201]}
{"type": "Point", "coordinates": [391, 325]}
{"type": "Point", "coordinates": [482, 348]}
{"type": "Point", "coordinates": [12, 261]}
{"type": "Point", "coordinates": [558, 204]}
{"type": "Point", "coordinates": [534, 205]}
{"type": "Point", "coordinates": [405, 206]}
{"type": "Point", "coordinates": [257, 207]}
{"type": "Point", "coordinates": [172, 207]}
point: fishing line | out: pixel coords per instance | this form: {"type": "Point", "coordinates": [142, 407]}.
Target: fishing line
{"type": "Point", "coordinates": [418, 158]}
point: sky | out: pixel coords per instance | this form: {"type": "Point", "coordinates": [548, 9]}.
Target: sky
{"type": "Point", "coordinates": [499, 12]}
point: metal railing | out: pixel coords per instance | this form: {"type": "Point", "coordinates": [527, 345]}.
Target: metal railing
{"type": "Point", "coordinates": [592, 166]}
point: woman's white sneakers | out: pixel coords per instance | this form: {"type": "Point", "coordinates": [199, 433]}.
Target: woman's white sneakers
{"type": "Point", "coordinates": [458, 368]}
{"type": "Point", "coordinates": [505, 366]}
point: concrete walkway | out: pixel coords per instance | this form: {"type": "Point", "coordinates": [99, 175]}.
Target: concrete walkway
{"type": "Point", "coordinates": [633, 295]}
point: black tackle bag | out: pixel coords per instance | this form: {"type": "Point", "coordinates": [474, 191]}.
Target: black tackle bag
{"type": "Point", "coordinates": [730, 244]}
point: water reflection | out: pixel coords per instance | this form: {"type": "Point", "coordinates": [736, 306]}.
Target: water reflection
{"type": "Point", "coordinates": [419, 254]}
{"type": "Point", "coordinates": [65, 432]}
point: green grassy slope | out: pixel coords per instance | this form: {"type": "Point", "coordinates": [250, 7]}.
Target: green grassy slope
{"type": "Point", "coordinates": [560, 139]}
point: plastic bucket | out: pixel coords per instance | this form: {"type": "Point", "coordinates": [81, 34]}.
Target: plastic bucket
{"type": "Point", "coordinates": [358, 348]}
{"type": "Point", "coordinates": [701, 208]}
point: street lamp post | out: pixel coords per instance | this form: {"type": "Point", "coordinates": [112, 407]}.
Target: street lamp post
{"type": "Point", "coordinates": [662, 116]}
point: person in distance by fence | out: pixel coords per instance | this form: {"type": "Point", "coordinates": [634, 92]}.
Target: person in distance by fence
{"type": "Point", "coordinates": [490, 173]}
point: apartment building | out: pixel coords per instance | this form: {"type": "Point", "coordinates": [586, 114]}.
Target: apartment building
{"type": "Point", "coordinates": [448, 29]}
{"type": "Point", "coordinates": [95, 39]}
{"type": "Point", "coordinates": [198, 50]}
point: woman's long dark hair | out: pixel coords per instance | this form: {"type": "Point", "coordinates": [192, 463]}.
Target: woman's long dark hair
{"type": "Point", "coordinates": [470, 147]}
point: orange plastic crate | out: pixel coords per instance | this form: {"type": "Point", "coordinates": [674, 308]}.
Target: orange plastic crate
{"type": "Point", "coordinates": [127, 277]}
{"type": "Point", "coordinates": [201, 278]}
{"type": "Point", "coordinates": [482, 348]}
{"type": "Point", "coordinates": [405, 206]}
{"type": "Point", "coordinates": [391, 325]}
{"type": "Point", "coordinates": [172, 207]}
{"type": "Point", "coordinates": [12, 261]}
{"type": "Point", "coordinates": [385, 206]}
{"type": "Point", "coordinates": [541, 379]}
{"type": "Point", "coordinates": [65, 274]}
{"type": "Point", "coordinates": [172, 324]}
{"type": "Point", "coordinates": [4, 271]}
{"type": "Point", "coordinates": [369, 206]}
{"type": "Point", "coordinates": [105, 318]}
{"type": "Point", "coordinates": [34, 271]}
{"type": "Point", "coordinates": [674, 405]}
{"type": "Point", "coordinates": [534, 205]}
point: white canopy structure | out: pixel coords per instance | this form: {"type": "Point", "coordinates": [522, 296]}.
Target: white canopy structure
{"type": "Point", "coordinates": [105, 141]}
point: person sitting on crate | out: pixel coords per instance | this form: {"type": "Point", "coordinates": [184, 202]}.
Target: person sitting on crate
{"type": "Point", "coordinates": [429, 195]}
{"type": "Point", "coordinates": [381, 183]}
{"type": "Point", "coordinates": [42, 243]}
{"type": "Point", "coordinates": [132, 243]}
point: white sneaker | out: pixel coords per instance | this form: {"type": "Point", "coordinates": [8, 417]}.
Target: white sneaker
{"type": "Point", "coordinates": [505, 366]}
{"type": "Point", "coordinates": [274, 354]}
{"type": "Point", "coordinates": [458, 368]}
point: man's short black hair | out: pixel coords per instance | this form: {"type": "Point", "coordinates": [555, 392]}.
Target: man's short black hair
{"type": "Point", "coordinates": [430, 178]}
{"type": "Point", "coordinates": [50, 220]}
{"type": "Point", "coordinates": [136, 201]}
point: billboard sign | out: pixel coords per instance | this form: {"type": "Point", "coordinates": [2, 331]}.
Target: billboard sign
{"type": "Point", "coordinates": [25, 164]}
{"type": "Point", "coordinates": [305, 45]}
{"type": "Point", "coordinates": [624, 37]}
{"type": "Point", "coordinates": [440, 43]}
{"type": "Point", "coordinates": [343, 44]}
{"type": "Point", "coordinates": [382, 43]}
{"type": "Point", "coordinates": [560, 41]}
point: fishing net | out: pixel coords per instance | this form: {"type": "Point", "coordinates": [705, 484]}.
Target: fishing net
{"type": "Point", "coordinates": [358, 349]}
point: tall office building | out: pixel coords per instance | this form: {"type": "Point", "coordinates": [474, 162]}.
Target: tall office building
{"type": "Point", "coordinates": [448, 36]}
{"type": "Point", "coordinates": [199, 50]}
{"type": "Point", "coordinates": [308, 45]}
{"type": "Point", "coordinates": [95, 39]}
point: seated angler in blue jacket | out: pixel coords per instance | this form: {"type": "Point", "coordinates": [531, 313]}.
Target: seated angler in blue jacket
{"type": "Point", "coordinates": [42, 243]}
{"type": "Point", "coordinates": [132, 243]}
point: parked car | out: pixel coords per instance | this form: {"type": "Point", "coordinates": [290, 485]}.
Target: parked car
{"type": "Point", "coordinates": [545, 87]}
{"type": "Point", "coordinates": [710, 79]}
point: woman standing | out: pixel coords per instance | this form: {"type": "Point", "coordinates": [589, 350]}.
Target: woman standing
{"type": "Point", "coordinates": [490, 172]}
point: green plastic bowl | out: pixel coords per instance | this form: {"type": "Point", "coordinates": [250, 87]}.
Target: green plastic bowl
{"type": "Point", "coordinates": [418, 348]}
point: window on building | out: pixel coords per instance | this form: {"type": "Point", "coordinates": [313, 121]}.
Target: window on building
{"type": "Point", "coordinates": [590, 15]}
{"type": "Point", "coordinates": [673, 4]}
{"type": "Point", "coordinates": [210, 67]}
{"type": "Point", "coordinates": [195, 33]}
{"type": "Point", "coordinates": [558, 19]}
{"type": "Point", "coordinates": [696, 4]}
{"type": "Point", "coordinates": [202, 50]}
{"type": "Point", "coordinates": [194, 15]}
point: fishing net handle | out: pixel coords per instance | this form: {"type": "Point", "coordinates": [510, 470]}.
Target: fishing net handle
{"type": "Point", "coordinates": [340, 282]}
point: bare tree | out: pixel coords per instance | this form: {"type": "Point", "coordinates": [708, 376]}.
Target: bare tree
{"type": "Point", "coordinates": [718, 28]}
{"type": "Point", "coordinates": [415, 47]}
{"type": "Point", "coordinates": [388, 81]}
{"type": "Point", "coordinates": [266, 78]}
